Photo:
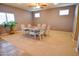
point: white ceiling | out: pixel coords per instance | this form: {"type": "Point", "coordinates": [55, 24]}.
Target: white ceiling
{"type": "Point", "coordinates": [25, 6]}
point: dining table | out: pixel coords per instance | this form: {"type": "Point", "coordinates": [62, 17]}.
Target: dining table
{"type": "Point", "coordinates": [35, 31]}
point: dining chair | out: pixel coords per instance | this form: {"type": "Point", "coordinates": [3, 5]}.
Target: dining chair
{"type": "Point", "coordinates": [29, 25]}
{"type": "Point", "coordinates": [48, 30]}
{"type": "Point", "coordinates": [38, 26]}
{"type": "Point", "coordinates": [34, 33]}
{"type": "Point", "coordinates": [44, 28]}
{"type": "Point", "coordinates": [23, 28]}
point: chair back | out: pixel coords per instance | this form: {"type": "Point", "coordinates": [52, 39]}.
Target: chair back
{"type": "Point", "coordinates": [39, 26]}
{"type": "Point", "coordinates": [22, 26]}
{"type": "Point", "coordinates": [44, 26]}
{"type": "Point", "coordinates": [29, 25]}
{"type": "Point", "coordinates": [48, 30]}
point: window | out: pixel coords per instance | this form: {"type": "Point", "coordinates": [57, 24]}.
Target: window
{"type": "Point", "coordinates": [2, 18]}
{"type": "Point", "coordinates": [64, 12]}
{"type": "Point", "coordinates": [10, 17]}
{"type": "Point", "coordinates": [37, 15]}
{"type": "Point", "coordinates": [6, 17]}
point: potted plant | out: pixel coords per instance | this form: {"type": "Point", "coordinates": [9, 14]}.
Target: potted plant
{"type": "Point", "coordinates": [10, 26]}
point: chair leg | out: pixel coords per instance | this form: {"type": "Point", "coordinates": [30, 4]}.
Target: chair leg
{"type": "Point", "coordinates": [35, 37]}
{"type": "Point", "coordinates": [40, 37]}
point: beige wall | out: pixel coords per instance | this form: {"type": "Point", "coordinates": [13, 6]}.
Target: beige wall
{"type": "Point", "coordinates": [51, 17]}
{"type": "Point", "coordinates": [21, 16]}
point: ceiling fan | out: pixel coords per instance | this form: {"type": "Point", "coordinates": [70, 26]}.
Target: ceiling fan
{"type": "Point", "coordinates": [37, 5]}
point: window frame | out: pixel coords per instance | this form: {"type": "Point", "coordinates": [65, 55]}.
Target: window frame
{"type": "Point", "coordinates": [64, 12]}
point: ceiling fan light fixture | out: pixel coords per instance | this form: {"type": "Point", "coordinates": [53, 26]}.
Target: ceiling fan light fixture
{"type": "Point", "coordinates": [37, 6]}
{"type": "Point", "coordinates": [55, 3]}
